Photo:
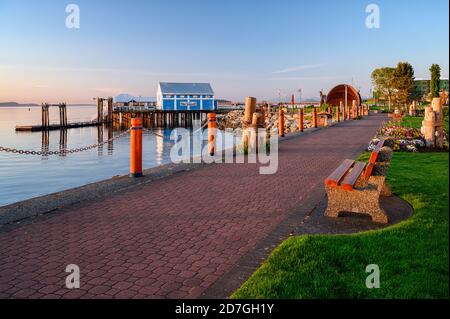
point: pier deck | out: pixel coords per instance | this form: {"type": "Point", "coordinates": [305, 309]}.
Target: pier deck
{"type": "Point", "coordinates": [53, 127]}
{"type": "Point", "coordinates": [176, 237]}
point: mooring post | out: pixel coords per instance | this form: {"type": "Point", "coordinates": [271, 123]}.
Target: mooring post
{"type": "Point", "coordinates": [99, 110]}
{"type": "Point", "coordinates": [45, 116]}
{"type": "Point", "coordinates": [110, 109]}
{"type": "Point", "coordinates": [136, 147]}
{"type": "Point", "coordinates": [315, 117]}
{"type": "Point", "coordinates": [301, 119]}
{"type": "Point", "coordinates": [281, 122]}
{"type": "Point", "coordinates": [212, 129]}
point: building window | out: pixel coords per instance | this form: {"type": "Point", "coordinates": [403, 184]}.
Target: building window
{"type": "Point", "coordinates": [168, 96]}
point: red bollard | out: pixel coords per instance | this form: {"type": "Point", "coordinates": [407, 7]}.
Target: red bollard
{"type": "Point", "coordinates": [281, 123]}
{"type": "Point", "coordinates": [136, 147]}
{"type": "Point", "coordinates": [301, 119]}
{"type": "Point", "coordinates": [212, 128]}
{"type": "Point", "coordinates": [315, 117]}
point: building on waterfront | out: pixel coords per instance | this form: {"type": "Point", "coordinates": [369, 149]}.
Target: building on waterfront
{"type": "Point", "coordinates": [422, 88]}
{"type": "Point", "coordinates": [185, 97]}
{"type": "Point", "coordinates": [127, 100]}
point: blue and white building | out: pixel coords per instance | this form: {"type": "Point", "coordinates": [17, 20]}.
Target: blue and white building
{"type": "Point", "coordinates": [185, 97]}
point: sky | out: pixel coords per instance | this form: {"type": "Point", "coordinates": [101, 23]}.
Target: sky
{"type": "Point", "coordinates": [260, 48]}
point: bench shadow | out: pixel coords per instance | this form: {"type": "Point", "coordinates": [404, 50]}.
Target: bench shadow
{"type": "Point", "coordinates": [396, 208]}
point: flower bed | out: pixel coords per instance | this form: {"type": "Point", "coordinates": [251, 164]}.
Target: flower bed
{"type": "Point", "coordinates": [406, 139]}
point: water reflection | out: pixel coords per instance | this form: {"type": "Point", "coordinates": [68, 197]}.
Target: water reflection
{"type": "Point", "coordinates": [45, 144]}
{"type": "Point", "coordinates": [62, 142]}
{"type": "Point", "coordinates": [23, 177]}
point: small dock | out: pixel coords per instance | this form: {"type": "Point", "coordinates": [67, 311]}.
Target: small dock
{"type": "Point", "coordinates": [54, 127]}
{"type": "Point", "coordinates": [64, 123]}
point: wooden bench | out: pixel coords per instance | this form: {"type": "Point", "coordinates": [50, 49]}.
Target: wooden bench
{"type": "Point", "coordinates": [353, 186]}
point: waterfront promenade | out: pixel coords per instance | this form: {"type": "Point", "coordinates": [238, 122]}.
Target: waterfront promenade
{"type": "Point", "coordinates": [177, 237]}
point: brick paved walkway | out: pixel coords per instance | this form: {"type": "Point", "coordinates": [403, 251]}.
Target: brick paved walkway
{"type": "Point", "coordinates": [175, 237]}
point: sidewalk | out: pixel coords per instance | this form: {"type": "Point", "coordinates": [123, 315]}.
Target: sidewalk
{"type": "Point", "coordinates": [174, 237]}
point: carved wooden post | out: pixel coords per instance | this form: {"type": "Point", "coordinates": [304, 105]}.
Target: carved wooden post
{"type": "Point", "coordinates": [436, 104]}
{"type": "Point", "coordinates": [428, 126]}
{"type": "Point", "coordinates": [250, 108]}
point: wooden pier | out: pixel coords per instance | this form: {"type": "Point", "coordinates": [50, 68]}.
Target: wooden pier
{"type": "Point", "coordinates": [54, 127]}
{"type": "Point", "coordinates": [120, 117]}
{"type": "Point", "coordinates": [63, 121]}
{"type": "Point", "coordinates": [160, 119]}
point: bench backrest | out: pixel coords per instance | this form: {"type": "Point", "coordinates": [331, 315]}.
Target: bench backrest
{"type": "Point", "coordinates": [373, 158]}
{"type": "Point", "coordinates": [347, 174]}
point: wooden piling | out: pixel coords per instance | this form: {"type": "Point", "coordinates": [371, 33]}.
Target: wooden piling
{"type": "Point", "coordinates": [212, 128]}
{"type": "Point", "coordinates": [109, 118]}
{"type": "Point", "coordinates": [301, 119]}
{"type": "Point", "coordinates": [315, 117]}
{"type": "Point", "coordinates": [250, 108]}
{"type": "Point", "coordinates": [281, 122]}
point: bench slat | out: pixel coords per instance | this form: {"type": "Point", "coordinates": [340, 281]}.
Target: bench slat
{"type": "Point", "coordinates": [350, 179]}
{"type": "Point", "coordinates": [335, 177]}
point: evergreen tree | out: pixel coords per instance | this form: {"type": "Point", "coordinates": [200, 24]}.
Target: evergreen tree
{"type": "Point", "coordinates": [435, 80]}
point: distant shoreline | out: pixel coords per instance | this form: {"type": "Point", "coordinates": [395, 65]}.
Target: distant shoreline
{"type": "Point", "coordinates": [37, 105]}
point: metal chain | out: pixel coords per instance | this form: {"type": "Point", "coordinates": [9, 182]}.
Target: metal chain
{"type": "Point", "coordinates": [62, 152]}
{"type": "Point", "coordinates": [151, 131]}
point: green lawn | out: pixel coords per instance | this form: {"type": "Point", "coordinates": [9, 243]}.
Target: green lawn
{"type": "Point", "coordinates": [416, 122]}
{"type": "Point", "coordinates": [412, 256]}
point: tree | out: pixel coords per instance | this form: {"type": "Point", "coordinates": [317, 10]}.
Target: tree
{"type": "Point", "coordinates": [403, 83]}
{"type": "Point", "coordinates": [383, 79]}
{"type": "Point", "coordinates": [435, 80]}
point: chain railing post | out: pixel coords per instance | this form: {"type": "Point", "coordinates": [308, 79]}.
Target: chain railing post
{"type": "Point", "coordinates": [301, 119]}
{"type": "Point", "coordinates": [315, 117]}
{"type": "Point", "coordinates": [281, 122]}
{"type": "Point", "coordinates": [136, 147]}
{"type": "Point", "coordinates": [212, 130]}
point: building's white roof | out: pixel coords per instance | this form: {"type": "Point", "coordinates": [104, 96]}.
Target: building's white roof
{"type": "Point", "coordinates": [127, 98]}
{"type": "Point", "coordinates": [186, 88]}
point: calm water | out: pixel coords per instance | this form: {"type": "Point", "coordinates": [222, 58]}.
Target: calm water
{"type": "Point", "coordinates": [23, 177]}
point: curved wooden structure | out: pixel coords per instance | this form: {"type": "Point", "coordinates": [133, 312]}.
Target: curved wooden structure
{"type": "Point", "coordinates": [337, 95]}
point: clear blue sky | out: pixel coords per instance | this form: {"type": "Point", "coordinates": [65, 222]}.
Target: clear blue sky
{"type": "Point", "coordinates": [243, 47]}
